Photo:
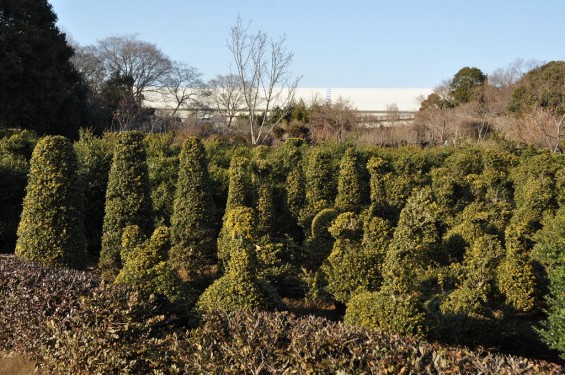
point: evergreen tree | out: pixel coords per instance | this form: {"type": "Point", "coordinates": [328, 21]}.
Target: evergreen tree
{"type": "Point", "coordinates": [397, 307]}
{"type": "Point", "coordinates": [415, 242]}
{"type": "Point", "coordinates": [94, 159]}
{"type": "Point", "coordinates": [239, 222]}
{"type": "Point", "coordinates": [51, 230]}
{"type": "Point", "coordinates": [349, 196]}
{"type": "Point", "coordinates": [476, 284]}
{"type": "Point", "coordinates": [39, 87]}
{"type": "Point", "coordinates": [192, 228]}
{"type": "Point", "coordinates": [128, 199]}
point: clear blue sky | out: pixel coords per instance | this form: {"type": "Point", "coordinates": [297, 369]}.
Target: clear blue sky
{"type": "Point", "coordinates": [355, 43]}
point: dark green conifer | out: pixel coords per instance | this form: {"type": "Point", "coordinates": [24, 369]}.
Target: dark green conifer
{"type": "Point", "coordinates": [128, 199]}
{"type": "Point", "coordinates": [51, 230]}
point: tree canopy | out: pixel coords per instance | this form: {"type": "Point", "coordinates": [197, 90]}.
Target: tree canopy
{"type": "Point", "coordinates": [39, 87]}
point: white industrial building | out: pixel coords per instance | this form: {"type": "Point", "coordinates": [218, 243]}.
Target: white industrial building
{"type": "Point", "coordinates": [372, 101]}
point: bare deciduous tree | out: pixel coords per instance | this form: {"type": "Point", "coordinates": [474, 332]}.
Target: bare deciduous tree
{"type": "Point", "coordinates": [226, 96]}
{"type": "Point", "coordinates": [129, 57]}
{"type": "Point", "coordinates": [539, 126]}
{"type": "Point", "coordinates": [262, 66]}
{"type": "Point", "coordinates": [332, 120]}
{"type": "Point", "coordinates": [182, 84]}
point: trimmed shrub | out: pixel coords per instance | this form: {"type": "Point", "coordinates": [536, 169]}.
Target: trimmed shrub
{"type": "Point", "coordinates": [239, 222]}
{"type": "Point", "coordinates": [163, 168]}
{"type": "Point", "coordinates": [414, 247]}
{"type": "Point", "coordinates": [320, 184]}
{"type": "Point", "coordinates": [550, 252]}
{"type": "Point", "coordinates": [145, 264]}
{"type": "Point", "coordinates": [351, 268]}
{"type": "Point", "coordinates": [264, 197]}
{"type": "Point", "coordinates": [16, 148]}
{"type": "Point", "coordinates": [349, 196]}
{"type": "Point", "coordinates": [377, 169]}
{"type": "Point", "coordinates": [385, 312]}
{"type": "Point", "coordinates": [239, 288]}
{"type": "Point", "coordinates": [193, 232]}
{"type": "Point", "coordinates": [516, 278]}
{"type": "Point", "coordinates": [51, 230]}
{"type": "Point", "coordinates": [238, 184]}
{"type": "Point", "coordinates": [476, 286]}
{"type": "Point", "coordinates": [320, 242]}
{"type": "Point", "coordinates": [128, 199]}
{"type": "Point", "coordinates": [295, 181]}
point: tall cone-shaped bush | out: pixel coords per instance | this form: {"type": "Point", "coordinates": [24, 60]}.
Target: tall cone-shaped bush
{"type": "Point", "coordinates": [51, 230]}
{"type": "Point", "coordinates": [192, 223]}
{"type": "Point", "coordinates": [128, 199]}
{"type": "Point", "coordinates": [295, 181]}
{"type": "Point", "coordinates": [349, 196]}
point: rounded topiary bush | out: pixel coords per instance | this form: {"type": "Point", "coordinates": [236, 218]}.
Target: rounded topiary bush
{"type": "Point", "coordinates": [128, 199]}
{"type": "Point", "coordinates": [51, 230]}
{"type": "Point", "coordinates": [192, 223]}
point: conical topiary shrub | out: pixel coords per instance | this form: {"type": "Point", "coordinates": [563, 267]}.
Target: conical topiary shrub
{"type": "Point", "coordinates": [192, 227]}
{"type": "Point", "coordinates": [128, 199]}
{"type": "Point", "coordinates": [51, 230]}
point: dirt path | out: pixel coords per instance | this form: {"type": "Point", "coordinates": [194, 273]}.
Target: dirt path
{"type": "Point", "coordinates": [11, 364]}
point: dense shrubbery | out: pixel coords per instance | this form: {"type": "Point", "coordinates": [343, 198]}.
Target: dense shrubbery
{"type": "Point", "coordinates": [433, 243]}
{"type": "Point", "coordinates": [73, 324]}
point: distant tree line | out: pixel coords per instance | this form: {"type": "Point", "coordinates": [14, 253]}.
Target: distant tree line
{"type": "Point", "coordinates": [52, 85]}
